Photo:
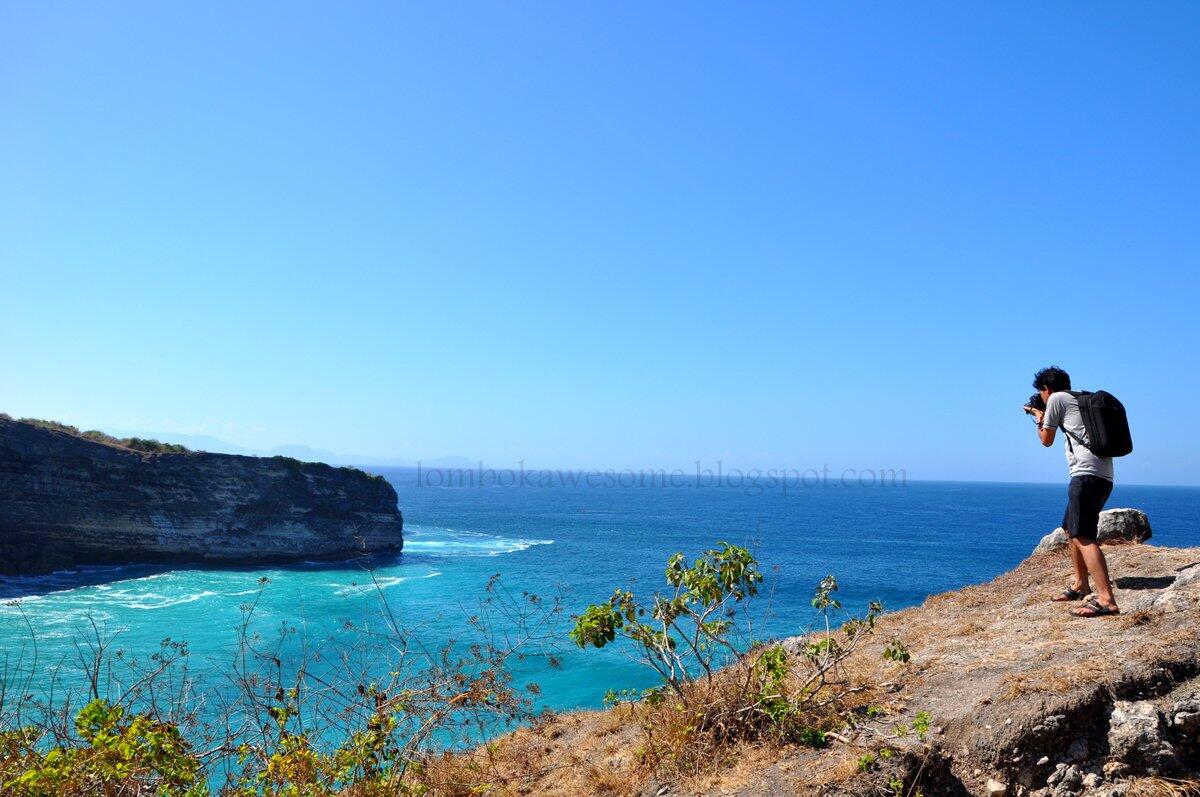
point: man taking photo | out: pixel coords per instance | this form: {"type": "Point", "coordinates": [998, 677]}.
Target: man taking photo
{"type": "Point", "coordinates": [1091, 484]}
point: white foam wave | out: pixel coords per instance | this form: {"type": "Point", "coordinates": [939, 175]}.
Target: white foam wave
{"type": "Point", "coordinates": [154, 600]}
{"type": "Point", "coordinates": [455, 542]}
{"type": "Point", "coordinates": [380, 582]}
{"type": "Point", "coordinates": [20, 600]}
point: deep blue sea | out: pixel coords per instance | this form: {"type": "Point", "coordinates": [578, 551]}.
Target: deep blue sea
{"type": "Point", "coordinates": [897, 544]}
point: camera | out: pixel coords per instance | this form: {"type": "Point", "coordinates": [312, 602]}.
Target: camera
{"type": "Point", "coordinates": [1035, 403]}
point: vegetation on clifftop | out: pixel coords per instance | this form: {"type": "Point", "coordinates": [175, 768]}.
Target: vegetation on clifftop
{"type": "Point", "coordinates": [149, 446]}
{"type": "Point", "coordinates": [141, 444]}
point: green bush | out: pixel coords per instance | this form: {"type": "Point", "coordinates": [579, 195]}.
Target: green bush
{"type": "Point", "coordinates": [714, 695]}
{"type": "Point", "coordinates": [116, 753]}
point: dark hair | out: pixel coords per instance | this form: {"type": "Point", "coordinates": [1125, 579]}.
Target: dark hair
{"type": "Point", "coordinates": [1053, 379]}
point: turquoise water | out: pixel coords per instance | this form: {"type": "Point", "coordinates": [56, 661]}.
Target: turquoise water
{"type": "Point", "coordinates": [895, 544]}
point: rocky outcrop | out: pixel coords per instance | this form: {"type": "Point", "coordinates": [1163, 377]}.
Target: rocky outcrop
{"type": "Point", "coordinates": [1116, 525]}
{"type": "Point", "coordinates": [67, 500]}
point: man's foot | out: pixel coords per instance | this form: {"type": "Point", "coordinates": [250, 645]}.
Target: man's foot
{"type": "Point", "coordinates": [1072, 594]}
{"type": "Point", "coordinates": [1094, 608]}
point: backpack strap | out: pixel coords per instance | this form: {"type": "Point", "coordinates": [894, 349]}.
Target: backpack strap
{"type": "Point", "coordinates": [1071, 436]}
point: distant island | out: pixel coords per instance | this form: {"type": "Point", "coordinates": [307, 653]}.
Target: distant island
{"type": "Point", "coordinates": [72, 497]}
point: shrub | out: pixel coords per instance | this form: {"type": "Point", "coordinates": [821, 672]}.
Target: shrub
{"type": "Point", "coordinates": [692, 722]}
{"type": "Point", "coordinates": [375, 724]}
{"type": "Point", "coordinates": [53, 426]}
{"type": "Point", "coordinates": [152, 446]}
{"type": "Point", "coordinates": [117, 753]}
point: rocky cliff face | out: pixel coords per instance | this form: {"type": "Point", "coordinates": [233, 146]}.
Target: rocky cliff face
{"type": "Point", "coordinates": [67, 500]}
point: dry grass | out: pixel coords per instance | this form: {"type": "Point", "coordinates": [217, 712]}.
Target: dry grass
{"type": "Point", "coordinates": [1047, 679]}
{"type": "Point", "coordinates": [1163, 787]}
{"type": "Point", "coordinates": [719, 736]}
{"type": "Point", "coordinates": [1142, 617]}
{"type": "Point", "coordinates": [608, 780]}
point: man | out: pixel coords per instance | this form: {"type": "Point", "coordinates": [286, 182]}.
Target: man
{"type": "Point", "coordinates": [1091, 484]}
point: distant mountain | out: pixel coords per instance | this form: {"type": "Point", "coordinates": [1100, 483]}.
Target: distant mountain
{"type": "Point", "coordinates": [196, 442]}
{"type": "Point", "coordinates": [306, 454]}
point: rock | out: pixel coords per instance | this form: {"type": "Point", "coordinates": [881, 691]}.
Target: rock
{"type": "Point", "coordinates": [1129, 525]}
{"type": "Point", "coordinates": [995, 788]}
{"type": "Point", "coordinates": [1187, 576]}
{"type": "Point", "coordinates": [1115, 769]}
{"type": "Point", "coordinates": [73, 500]}
{"type": "Point", "coordinates": [1072, 778]}
{"type": "Point", "coordinates": [1078, 751]}
{"type": "Point", "coordinates": [1185, 717]}
{"type": "Point", "coordinates": [1053, 540]}
{"type": "Point", "coordinates": [1184, 722]}
{"type": "Point", "coordinates": [1137, 737]}
{"type": "Point", "coordinates": [1069, 780]}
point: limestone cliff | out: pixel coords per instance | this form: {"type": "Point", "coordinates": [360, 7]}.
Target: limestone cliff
{"type": "Point", "coordinates": [66, 499]}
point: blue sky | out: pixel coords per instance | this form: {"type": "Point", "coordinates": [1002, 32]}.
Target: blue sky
{"type": "Point", "coordinates": [612, 235]}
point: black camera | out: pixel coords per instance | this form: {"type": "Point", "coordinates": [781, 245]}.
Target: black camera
{"type": "Point", "coordinates": [1035, 403]}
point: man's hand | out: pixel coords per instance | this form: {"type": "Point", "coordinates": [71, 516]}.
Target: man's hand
{"type": "Point", "coordinates": [1036, 413]}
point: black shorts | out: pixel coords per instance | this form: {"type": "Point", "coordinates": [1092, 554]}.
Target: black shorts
{"type": "Point", "coordinates": [1085, 498]}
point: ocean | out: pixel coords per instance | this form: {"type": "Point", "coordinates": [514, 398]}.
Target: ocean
{"type": "Point", "coordinates": [896, 543]}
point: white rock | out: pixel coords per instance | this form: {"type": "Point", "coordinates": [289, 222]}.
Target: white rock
{"type": "Point", "coordinates": [995, 788]}
{"type": "Point", "coordinates": [1189, 575]}
{"type": "Point", "coordinates": [1115, 524]}
{"type": "Point", "coordinates": [1137, 735]}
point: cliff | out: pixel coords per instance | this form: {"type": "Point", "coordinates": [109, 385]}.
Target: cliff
{"type": "Point", "coordinates": [67, 499]}
{"type": "Point", "coordinates": [1021, 700]}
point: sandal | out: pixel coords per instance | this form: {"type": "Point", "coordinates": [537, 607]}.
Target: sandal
{"type": "Point", "coordinates": [1071, 594]}
{"type": "Point", "coordinates": [1094, 608]}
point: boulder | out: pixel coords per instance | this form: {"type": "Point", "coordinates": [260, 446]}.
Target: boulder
{"type": "Point", "coordinates": [1116, 525]}
{"type": "Point", "coordinates": [1137, 737]}
{"type": "Point", "coordinates": [1184, 721]}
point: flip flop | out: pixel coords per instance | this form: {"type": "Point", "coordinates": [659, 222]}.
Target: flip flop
{"type": "Point", "coordinates": [1094, 608]}
{"type": "Point", "coordinates": [1070, 594]}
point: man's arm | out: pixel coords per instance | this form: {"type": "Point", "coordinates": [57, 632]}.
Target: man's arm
{"type": "Point", "coordinates": [1045, 435]}
{"type": "Point", "coordinates": [1047, 421]}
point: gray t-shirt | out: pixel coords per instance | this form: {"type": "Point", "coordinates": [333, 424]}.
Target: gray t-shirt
{"type": "Point", "coordinates": [1062, 410]}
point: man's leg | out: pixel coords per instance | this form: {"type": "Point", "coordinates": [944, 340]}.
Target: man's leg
{"type": "Point", "coordinates": [1080, 584]}
{"type": "Point", "coordinates": [1097, 565]}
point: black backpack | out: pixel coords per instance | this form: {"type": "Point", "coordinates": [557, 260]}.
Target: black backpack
{"type": "Point", "coordinates": [1106, 424]}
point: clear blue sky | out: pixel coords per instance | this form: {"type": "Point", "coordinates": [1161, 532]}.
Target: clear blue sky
{"type": "Point", "coordinates": [611, 235]}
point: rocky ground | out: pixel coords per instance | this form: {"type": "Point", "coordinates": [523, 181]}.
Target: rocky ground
{"type": "Point", "coordinates": [1024, 699]}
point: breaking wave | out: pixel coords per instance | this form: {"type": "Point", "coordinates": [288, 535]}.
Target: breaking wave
{"type": "Point", "coordinates": [434, 541]}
